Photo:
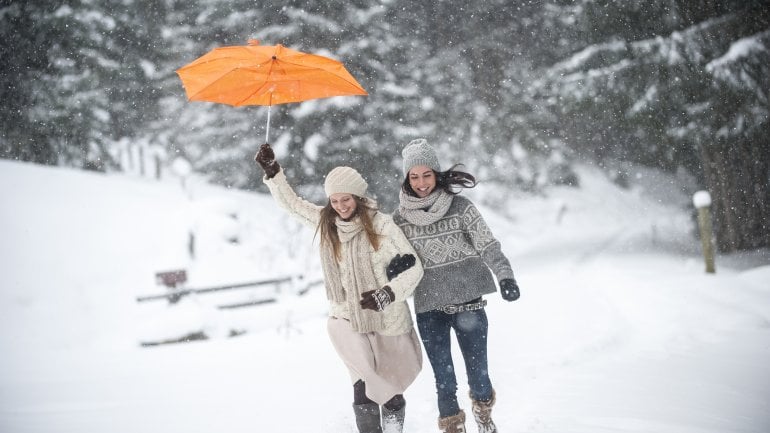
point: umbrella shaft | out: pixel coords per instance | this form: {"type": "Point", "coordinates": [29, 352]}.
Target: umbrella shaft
{"type": "Point", "coordinates": [267, 130]}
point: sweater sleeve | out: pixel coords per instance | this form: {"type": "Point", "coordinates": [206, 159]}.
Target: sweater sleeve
{"type": "Point", "coordinates": [485, 243]}
{"type": "Point", "coordinates": [305, 212]}
{"type": "Point", "coordinates": [403, 284]}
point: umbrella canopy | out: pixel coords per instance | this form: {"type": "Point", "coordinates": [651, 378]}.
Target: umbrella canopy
{"type": "Point", "coordinates": [256, 74]}
{"type": "Point", "coordinates": [265, 75]}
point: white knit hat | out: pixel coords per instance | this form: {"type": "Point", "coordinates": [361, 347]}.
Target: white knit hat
{"type": "Point", "coordinates": [419, 152]}
{"type": "Point", "coordinates": [345, 180]}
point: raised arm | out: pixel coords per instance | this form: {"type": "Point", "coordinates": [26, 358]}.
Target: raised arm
{"type": "Point", "coordinates": [275, 179]}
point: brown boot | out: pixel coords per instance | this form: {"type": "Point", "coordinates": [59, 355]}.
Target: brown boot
{"type": "Point", "coordinates": [452, 424]}
{"type": "Point", "coordinates": [482, 411]}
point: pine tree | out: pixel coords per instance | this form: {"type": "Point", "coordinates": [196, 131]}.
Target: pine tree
{"type": "Point", "coordinates": [27, 30]}
{"type": "Point", "coordinates": [84, 83]}
{"type": "Point", "coordinates": [695, 98]}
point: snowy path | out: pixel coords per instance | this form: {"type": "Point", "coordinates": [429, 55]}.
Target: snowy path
{"type": "Point", "coordinates": [618, 329]}
{"type": "Point", "coordinates": [615, 353]}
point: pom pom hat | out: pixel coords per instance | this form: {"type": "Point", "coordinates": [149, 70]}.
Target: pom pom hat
{"type": "Point", "coordinates": [419, 152]}
{"type": "Point", "coordinates": [345, 180]}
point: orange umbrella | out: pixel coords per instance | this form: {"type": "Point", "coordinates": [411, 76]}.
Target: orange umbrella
{"type": "Point", "coordinates": [256, 74]}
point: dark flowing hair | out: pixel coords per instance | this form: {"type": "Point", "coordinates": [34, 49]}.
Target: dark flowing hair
{"type": "Point", "coordinates": [446, 180]}
{"type": "Point", "coordinates": [327, 226]}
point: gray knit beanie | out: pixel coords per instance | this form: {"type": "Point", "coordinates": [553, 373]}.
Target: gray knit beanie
{"type": "Point", "coordinates": [345, 180]}
{"type": "Point", "coordinates": [419, 152]}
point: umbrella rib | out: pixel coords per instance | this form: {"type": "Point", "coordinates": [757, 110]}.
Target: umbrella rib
{"type": "Point", "coordinates": [257, 90]}
{"type": "Point", "coordinates": [353, 83]}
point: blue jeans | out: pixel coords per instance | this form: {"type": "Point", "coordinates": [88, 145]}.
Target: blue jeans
{"type": "Point", "coordinates": [471, 331]}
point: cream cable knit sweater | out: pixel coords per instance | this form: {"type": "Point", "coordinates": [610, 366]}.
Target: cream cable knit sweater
{"type": "Point", "coordinates": [398, 318]}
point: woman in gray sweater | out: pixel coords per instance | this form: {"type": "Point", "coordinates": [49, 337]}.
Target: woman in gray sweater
{"type": "Point", "coordinates": [459, 255]}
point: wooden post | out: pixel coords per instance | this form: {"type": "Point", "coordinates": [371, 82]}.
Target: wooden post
{"type": "Point", "coordinates": [191, 244]}
{"type": "Point", "coordinates": [702, 202]}
{"type": "Point", "coordinates": [157, 167]}
{"type": "Point", "coordinates": [141, 160]}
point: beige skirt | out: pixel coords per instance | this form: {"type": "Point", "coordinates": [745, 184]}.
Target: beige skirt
{"type": "Point", "coordinates": [386, 364]}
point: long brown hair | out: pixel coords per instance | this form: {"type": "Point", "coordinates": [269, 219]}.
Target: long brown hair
{"type": "Point", "coordinates": [327, 226]}
{"type": "Point", "coordinates": [447, 180]}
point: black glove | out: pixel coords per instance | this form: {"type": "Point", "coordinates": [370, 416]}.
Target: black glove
{"type": "Point", "coordinates": [378, 299]}
{"type": "Point", "coordinates": [399, 264]}
{"type": "Point", "coordinates": [266, 159]}
{"type": "Point", "coordinates": [509, 289]}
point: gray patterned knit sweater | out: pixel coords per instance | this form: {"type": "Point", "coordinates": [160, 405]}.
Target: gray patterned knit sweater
{"type": "Point", "coordinates": [457, 252]}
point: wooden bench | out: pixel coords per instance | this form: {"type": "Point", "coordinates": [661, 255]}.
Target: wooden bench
{"type": "Point", "coordinates": [172, 280]}
{"type": "Point", "coordinates": [175, 280]}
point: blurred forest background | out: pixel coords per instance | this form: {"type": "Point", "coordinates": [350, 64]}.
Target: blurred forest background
{"type": "Point", "coordinates": [517, 91]}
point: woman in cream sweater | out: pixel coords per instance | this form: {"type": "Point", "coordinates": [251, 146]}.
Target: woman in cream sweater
{"type": "Point", "coordinates": [370, 323]}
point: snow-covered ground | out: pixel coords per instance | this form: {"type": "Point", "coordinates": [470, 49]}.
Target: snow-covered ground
{"type": "Point", "coordinates": [618, 328]}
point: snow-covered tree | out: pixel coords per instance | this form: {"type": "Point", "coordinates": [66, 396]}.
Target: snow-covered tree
{"type": "Point", "coordinates": [516, 91]}
{"type": "Point", "coordinates": [86, 70]}
{"type": "Point", "coordinates": [694, 98]}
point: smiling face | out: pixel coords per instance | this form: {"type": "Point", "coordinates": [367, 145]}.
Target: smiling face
{"type": "Point", "coordinates": [344, 204]}
{"type": "Point", "coordinates": [422, 179]}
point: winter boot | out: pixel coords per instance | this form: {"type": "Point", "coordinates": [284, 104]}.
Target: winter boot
{"type": "Point", "coordinates": [452, 424]}
{"type": "Point", "coordinates": [367, 417]}
{"type": "Point", "coordinates": [393, 420]}
{"type": "Point", "coordinates": [482, 411]}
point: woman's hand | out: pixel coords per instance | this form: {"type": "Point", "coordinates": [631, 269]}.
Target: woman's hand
{"type": "Point", "coordinates": [266, 159]}
{"type": "Point", "coordinates": [399, 264]}
{"type": "Point", "coordinates": [377, 300]}
{"type": "Point", "coordinates": [509, 289]}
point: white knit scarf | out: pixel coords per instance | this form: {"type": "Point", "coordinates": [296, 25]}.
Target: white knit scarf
{"type": "Point", "coordinates": [426, 210]}
{"type": "Point", "coordinates": [359, 279]}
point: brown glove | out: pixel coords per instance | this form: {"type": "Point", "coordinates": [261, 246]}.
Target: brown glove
{"type": "Point", "coordinates": [377, 300]}
{"type": "Point", "coordinates": [266, 159]}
